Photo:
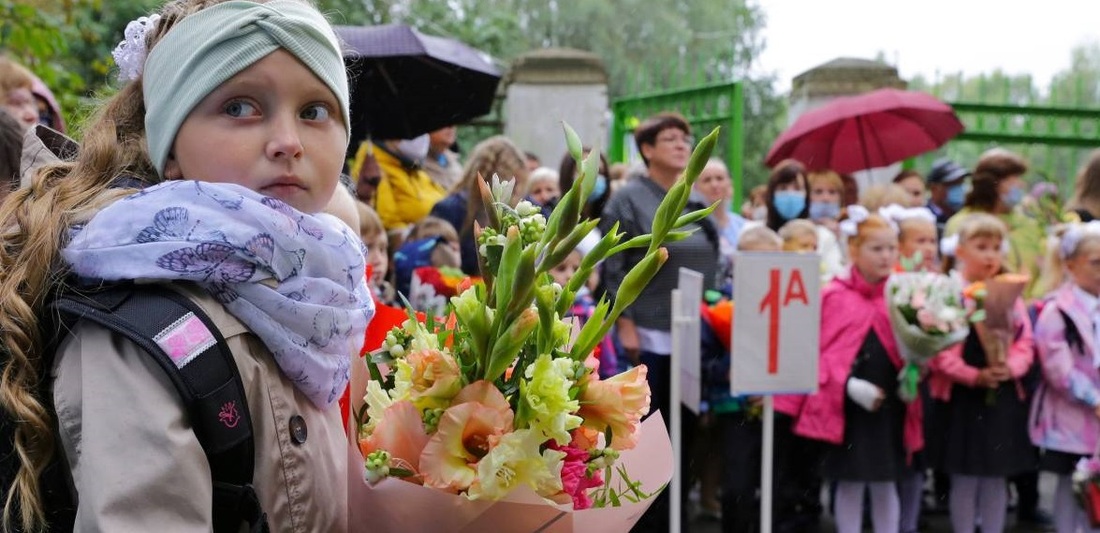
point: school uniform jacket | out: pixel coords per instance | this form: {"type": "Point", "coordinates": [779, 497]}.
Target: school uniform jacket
{"type": "Point", "coordinates": [1062, 416]}
{"type": "Point", "coordinates": [135, 460]}
{"type": "Point", "coordinates": [850, 309]}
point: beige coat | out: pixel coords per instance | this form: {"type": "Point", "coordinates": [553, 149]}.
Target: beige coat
{"type": "Point", "coordinates": [136, 463]}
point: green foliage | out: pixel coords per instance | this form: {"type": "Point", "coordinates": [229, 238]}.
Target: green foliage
{"type": "Point", "coordinates": [1076, 87]}
{"type": "Point", "coordinates": [69, 45]}
{"type": "Point", "coordinates": [674, 45]}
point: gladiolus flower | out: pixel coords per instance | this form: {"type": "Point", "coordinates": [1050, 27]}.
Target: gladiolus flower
{"type": "Point", "coordinates": [544, 398]}
{"type": "Point", "coordinates": [514, 461]}
{"type": "Point", "coordinates": [433, 375]}
{"type": "Point", "coordinates": [466, 433]}
{"type": "Point", "coordinates": [619, 403]}
{"type": "Point", "coordinates": [401, 433]}
{"type": "Point", "coordinates": [575, 480]}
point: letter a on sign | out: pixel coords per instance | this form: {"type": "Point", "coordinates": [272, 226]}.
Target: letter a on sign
{"type": "Point", "coordinates": [776, 323]}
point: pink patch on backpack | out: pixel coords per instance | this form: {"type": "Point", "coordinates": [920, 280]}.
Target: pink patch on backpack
{"type": "Point", "coordinates": [185, 339]}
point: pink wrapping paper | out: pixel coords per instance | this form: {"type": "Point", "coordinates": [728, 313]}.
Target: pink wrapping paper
{"type": "Point", "coordinates": [395, 505]}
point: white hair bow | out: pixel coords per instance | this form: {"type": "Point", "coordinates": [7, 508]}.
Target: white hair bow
{"type": "Point", "coordinates": [898, 213]}
{"type": "Point", "coordinates": [856, 215]}
{"type": "Point", "coordinates": [131, 50]}
{"type": "Point", "coordinates": [1073, 236]}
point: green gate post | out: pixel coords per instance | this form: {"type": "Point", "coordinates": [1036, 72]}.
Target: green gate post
{"type": "Point", "coordinates": [736, 154]}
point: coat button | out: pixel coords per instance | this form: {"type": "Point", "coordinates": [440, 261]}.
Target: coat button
{"type": "Point", "coordinates": [298, 431]}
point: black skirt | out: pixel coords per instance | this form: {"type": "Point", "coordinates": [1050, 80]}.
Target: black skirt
{"type": "Point", "coordinates": [873, 448]}
{"type": "Point", "coordinates": [1061, 463]}
{"type": "Point", "coordinates": [985, 430]}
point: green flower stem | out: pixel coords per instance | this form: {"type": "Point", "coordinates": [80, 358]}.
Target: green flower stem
{"type": "Point", "coordinates": [565, 246]}
{"type": "Point", "coordinates": [507, 347]}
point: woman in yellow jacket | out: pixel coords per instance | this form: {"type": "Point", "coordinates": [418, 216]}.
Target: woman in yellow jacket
{"type": "Point", "coordinates": [406, 193]}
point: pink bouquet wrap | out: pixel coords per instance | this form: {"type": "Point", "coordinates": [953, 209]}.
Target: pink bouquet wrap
{"type": "Point", "coordinates": [396, 505]}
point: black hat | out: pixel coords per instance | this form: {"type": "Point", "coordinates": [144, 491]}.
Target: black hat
{"type": "Point", "coordinates": [946, 171]}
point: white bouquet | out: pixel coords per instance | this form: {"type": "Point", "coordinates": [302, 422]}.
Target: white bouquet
{"type": "Point", "coordinates": [928, 316]}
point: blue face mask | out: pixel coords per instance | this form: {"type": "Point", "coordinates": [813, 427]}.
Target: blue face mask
{"type": "Point", "coordinates": [599, 190]}
{"type": "Point", "coordinates": [823, 210]}
{"type": "Point", "coordinates": [789, 204]}
{"type": "Point", "coordinates": [1013, 197]}
{"type": "Point", "coordinates": [956, 196]}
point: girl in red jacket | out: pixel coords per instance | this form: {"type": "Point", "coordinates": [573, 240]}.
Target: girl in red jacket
{"type": "Point", "coordinates": [980, 404]}
{"type": "Point", "coordinates": [856, 411]}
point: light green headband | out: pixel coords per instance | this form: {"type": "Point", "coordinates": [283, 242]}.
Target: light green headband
{"type": "Point", "coordinates": [207, 48]}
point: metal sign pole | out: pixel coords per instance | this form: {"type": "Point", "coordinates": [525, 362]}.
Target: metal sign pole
{"type": "Point", "coordinates": [767, 459]}
{"type": "Point", "coordinates": [675, 417]}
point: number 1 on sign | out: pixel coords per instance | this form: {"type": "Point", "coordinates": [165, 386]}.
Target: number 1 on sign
{"type": "Point", "coordinates": [796, 290]}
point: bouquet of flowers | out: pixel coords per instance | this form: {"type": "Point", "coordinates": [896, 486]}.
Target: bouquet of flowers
{"type": "Point", "coordinates": [993, 301]}
{"type": "Point", "coordinates": [927, 315]}
{"type": "Point", "coordinates": [495, 415]}
{"type": "Point", "coordinates": [1086, 484]}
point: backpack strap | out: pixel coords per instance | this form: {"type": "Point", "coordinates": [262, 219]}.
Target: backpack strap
{"type": "Point", "coordinates": [1073, 335]}
{"type": "Point", "coordinates": [190, 349]}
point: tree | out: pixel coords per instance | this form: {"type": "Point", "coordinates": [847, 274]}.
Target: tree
{"type": "Point", "coordinates": [646, 46]}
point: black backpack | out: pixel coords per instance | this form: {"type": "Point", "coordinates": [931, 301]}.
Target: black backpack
{"type": "Point", "coordinates": [209, 384]}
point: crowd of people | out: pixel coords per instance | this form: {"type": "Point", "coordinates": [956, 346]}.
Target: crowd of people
{"type": "Point", "coordinates": [980, 425]}
{"type": "Point", "coordinates": [416, 205]}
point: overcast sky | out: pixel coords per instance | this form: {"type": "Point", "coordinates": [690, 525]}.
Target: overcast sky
{"type": "Point", "coordinates": [923, 36]}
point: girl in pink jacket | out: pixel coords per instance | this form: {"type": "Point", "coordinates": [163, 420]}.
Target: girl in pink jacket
{"type": "Point", "coordinates": [980, 406]}
{"type": "Point", "coordinates": [1065, 417]}
{"type": "Point", "coordinates": [869, 431]}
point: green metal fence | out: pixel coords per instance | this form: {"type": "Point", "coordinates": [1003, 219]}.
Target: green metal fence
{"type": "Point", "coordinates": [704, 107]}
{"type": "Point", "coordinates": [1054, 129]}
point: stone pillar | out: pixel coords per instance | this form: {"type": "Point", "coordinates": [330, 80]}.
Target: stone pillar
{"type": "Point", "coordinates": [545, 87]}
{"type": "Point", "coordinates": [844, 76]}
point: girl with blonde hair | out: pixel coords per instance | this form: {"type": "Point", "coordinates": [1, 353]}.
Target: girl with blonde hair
{"type": "Point", "coordinates": [978, 400]}
{"type": "Point", "coordinates": [494, 156]}
{"type": "Point", "coordinates": [205, 174]}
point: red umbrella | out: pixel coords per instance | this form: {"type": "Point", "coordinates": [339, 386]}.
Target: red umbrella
{"type": "Point", "coordinates": [870, 130]}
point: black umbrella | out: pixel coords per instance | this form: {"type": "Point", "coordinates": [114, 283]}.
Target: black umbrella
{"type": "Point", "coordinates": [405, 83]}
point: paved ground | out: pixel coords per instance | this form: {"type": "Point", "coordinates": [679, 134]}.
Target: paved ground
{"type": "Point", "coordinates": [935, 524]}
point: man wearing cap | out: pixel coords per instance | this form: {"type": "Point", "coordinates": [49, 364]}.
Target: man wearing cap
{"type": "Point", "coordinates": [947, 185]}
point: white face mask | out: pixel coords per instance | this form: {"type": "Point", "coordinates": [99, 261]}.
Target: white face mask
{"type": "Point", "coordinates": [415, 149]}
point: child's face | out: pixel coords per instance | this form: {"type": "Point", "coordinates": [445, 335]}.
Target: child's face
{"type": "Point", "coordinates": [876, 255]}
{"type": "Point", "coordinates": [714, 183]}
{"type": "Point", "coordinates": [378, 256]}
{"type": "Point", "coordinates": [21, 105]}
{"type": "Point", "coordinates": [274, 128]}
{"type": "Point", "coordinates": [544, 191]}
{"type": "Point", "coordinates": [914, 187]}
{"type": "Point", "coordinates": [1084, 266]}
{"type": "Point", "coordinates": [980, 257]}
{"type": "Point", "coordinates": [820, 192]}
{"type": "Point", "coordinates": [803, 244]}
{"type": "Point", "coordinates": [920, 238]}
{"type": "Point", "coordinates": [564, 271]}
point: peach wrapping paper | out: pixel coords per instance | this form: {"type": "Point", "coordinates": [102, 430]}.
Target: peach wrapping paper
{"type": "Point", "coordinates": [395, 505]}
{"type": "Point", "coordinates": [996, 330]}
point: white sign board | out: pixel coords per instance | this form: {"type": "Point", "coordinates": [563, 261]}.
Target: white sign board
{"type": "Point", "coordinates": [776, 323]}
{"type": "Point", "coordinates": [685, 327]}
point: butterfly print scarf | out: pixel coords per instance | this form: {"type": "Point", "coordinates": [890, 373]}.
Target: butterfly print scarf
{"type": "Point", "coordinates": [296, 280]}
